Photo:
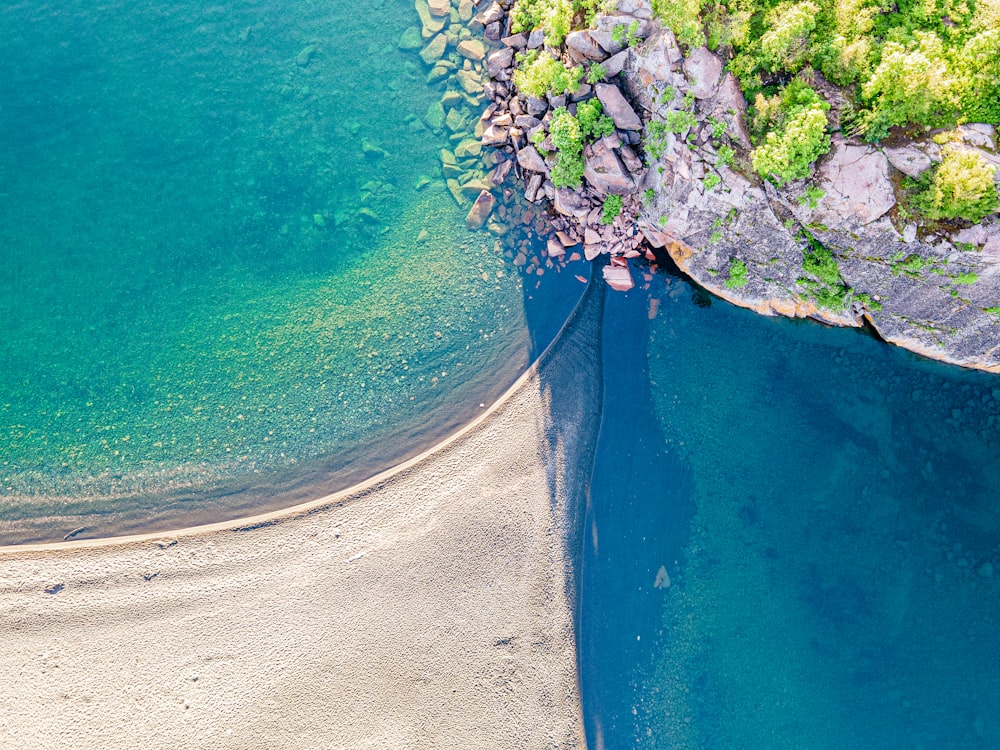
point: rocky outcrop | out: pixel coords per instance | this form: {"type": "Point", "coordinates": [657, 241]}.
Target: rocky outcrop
{"type": "Point", "coordinates": [835, 248]}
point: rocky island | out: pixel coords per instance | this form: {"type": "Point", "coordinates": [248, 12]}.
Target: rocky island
{"type": "Point", "coordinates": [634, 141]}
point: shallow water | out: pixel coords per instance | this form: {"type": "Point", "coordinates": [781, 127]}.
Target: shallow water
{"type": "Point", "coordinates": [827, 510]}
{"type": "Point", "coordinates": [191, 297]}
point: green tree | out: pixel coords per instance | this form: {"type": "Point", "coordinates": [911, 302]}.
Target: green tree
{"type": "Point", "coordinates": [910, 85]}
{"type": "Point", "coordinates": [962, 187]}
{"type": "Point", "coordinates": [799, 136]}
{"type": "Point", "coordinates": [785, 45]}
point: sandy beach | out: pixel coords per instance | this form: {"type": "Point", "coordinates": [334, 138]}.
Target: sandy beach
{"type": "Point", "coordinates": [431, 607]}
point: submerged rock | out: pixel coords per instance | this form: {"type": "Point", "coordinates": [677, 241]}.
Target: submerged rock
{"type": "Point", "coordinates": [480, 210]}
{"type": "Point", "coordinates": [434, 49]}
{"type": "Point", "coordinates": [410, 39]}
{"type": "Point", "coordinates": [473, 49]}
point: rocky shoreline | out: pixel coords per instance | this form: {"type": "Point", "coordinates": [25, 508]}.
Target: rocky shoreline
{"type": "Point", "coordinates": [837, 248]}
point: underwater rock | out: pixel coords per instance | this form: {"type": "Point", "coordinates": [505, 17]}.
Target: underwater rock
{"type": "Point", "coordinates": [410, 39]}
{"type": "Point", "coordinates": [434, 49]}
{"type": "Point", "coordinates": [481, 210]}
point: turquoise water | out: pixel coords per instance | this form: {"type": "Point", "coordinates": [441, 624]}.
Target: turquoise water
{"type": "Point", "coordinates": [218, 267]}
{"type": "Point", "coordinates": [827, 511]}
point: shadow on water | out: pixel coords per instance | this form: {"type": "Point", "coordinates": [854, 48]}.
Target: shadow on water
{"type": "Point", "coordinates": [635, 530]}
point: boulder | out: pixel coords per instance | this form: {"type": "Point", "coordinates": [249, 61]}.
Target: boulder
{"type": "Point", "coordinates": [582, 47]}
{"type": "Point", "coordinates": [658, 57]}
{"type": "Point", "coordinates": [617, 108]}
{"type": "Point", "coordinates": [618, 277]}
{"type": "Point", "coordinates": [515, 41]}
{"type": "Point", "coordinates": [857, 184]}
{"type": "Point", "coordinates": [536, 38]}
{"type": "Point", "coordinates": [473, 49]}
{"type": "Point", "coordinates": [533, 188]}
{"type": "Point", "coordinates": [570, 203]}
{"type": "Point", "coordinates": [703, 69]}
{"type": "Point", "coordinates": [499, 61]}
{"type": "Point", "coordinates": [465, 9]}
{"type": "Point", "coordinates": [480, 210]}
{"type": "Point", "coordinates": [604, 171]}
{"type": "Point", "coordinates": [491, 14]}
{"type": "Point", "coordinates": [439, 8]}
{"type": "Point", "coordinates": [730, 106]}
{"type": "Point", "coordinates": [978, 134]}
{"type": "Point", "coordinates": [536, 107]}
{"type": "Point", "coordinates": [617, 63]}
{"type": "Point", "coordinates": [494, 135]}
{"type": "Point", "coordinates": [909, 160]}
{"type": "Point", "coordinates": [529, 159]}
{"type": "Point", "coordinates": [501, 172]}
{"type": "Point", "coordinates": [606, 40]}
{"type": "Point", "coordinates": [554, 248]}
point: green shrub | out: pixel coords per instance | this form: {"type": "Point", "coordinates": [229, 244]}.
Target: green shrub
{"type": "Point", "coordinates": [821, 264]}
{"type": "Point", "coordinates": [682, 17]}
{"type": "Point", "coordinates": [724, 156]}
{"type": "Point", "coordinates": [737, 274]}
{"type": "Point", "coordinates": [801, 138]}
{"type": "Point", "coordinates": [541, 74]}
{"type": "Point", "coordinates": [679, 120]}
{"type": "Point", "coordinates": [557, 17]}
{"type": "Point", "coordinates": [567, 137]}
{"type": "Point", "coordinates": [711, 180]}
{"type": "Point", "coordinates": [978, 76]}
{"type": "Point", "coordinates": [594, 123]}
{"type": "Point", "coordinates": [611, 209]}
{"type": "Point", "coordinates": [962, 187]}
{"type": "Point", "coordinates": [812, 196]}
{"type": "Point", "coordinates": [596, 73]}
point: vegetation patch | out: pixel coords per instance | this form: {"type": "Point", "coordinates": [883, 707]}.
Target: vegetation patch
{"type": "Point", "coordinates": [791, 130]}
{"type": "Point", "coordinates": [567, 137]}
{"type": "Point", "coordinates": [556, 17]}
{"type": "Point", "coordinates": [960, 187]}
{"type": "Point", "coordinates": [827, 288]}
{"type": "Point", "coordinates": [737, 274]}
{"type": "Point", "coordinates": [539, 74]}
{"type": "Point", "coordinates": [611, 209]}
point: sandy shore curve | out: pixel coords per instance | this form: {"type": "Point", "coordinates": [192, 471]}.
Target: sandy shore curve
{"type": "Point", "coordinates": [431, 607]}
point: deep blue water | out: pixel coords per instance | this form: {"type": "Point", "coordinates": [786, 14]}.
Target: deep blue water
{"type": "Point", "coordinates": [827, 510]}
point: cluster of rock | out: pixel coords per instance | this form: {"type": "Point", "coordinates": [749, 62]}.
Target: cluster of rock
{"type": "Point", "coordinates": [458, 46]}
{"type": "Point", "coordinates": [613, 164]}
{"type": "Point", "coordinates": [743, 239]}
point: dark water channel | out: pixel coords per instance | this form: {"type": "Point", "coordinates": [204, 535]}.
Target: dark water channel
{"type": "Point", "coordinates": [826, 509]}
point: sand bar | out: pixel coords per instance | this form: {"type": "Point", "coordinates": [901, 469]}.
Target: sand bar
{"type": "Point", "coordinates": [433, 607]}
